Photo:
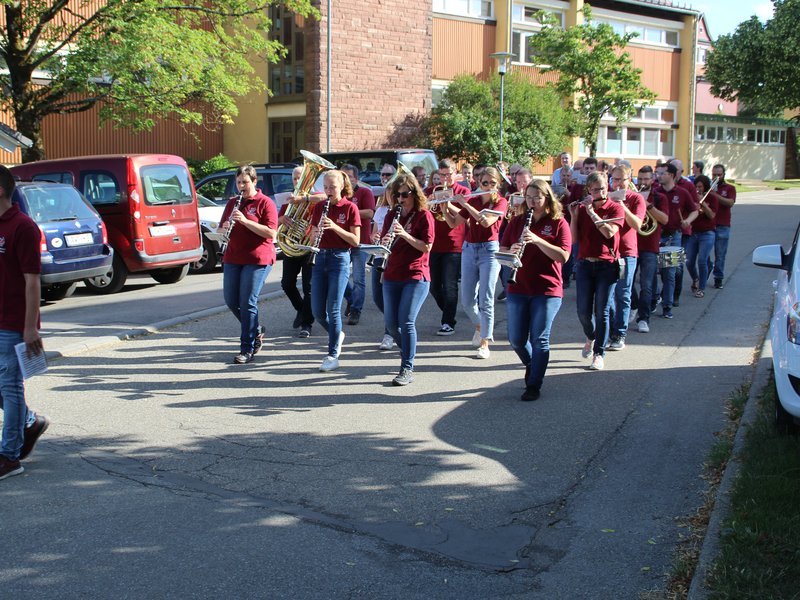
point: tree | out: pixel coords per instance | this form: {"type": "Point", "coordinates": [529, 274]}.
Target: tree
{"type": "Point", "coordinates": [592, 67]}
{"type": "Point", "coordinates": [466, 123]}
{"type": "Point", "coordinates": [134, 59]}
{"type": "Point", "coordinates": [759, 64]}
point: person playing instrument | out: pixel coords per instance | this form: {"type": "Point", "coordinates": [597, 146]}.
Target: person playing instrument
{"type": "Point", "coordinates": [477, 171]}
{"type": "Point", "coordinates": [294, 266]}
{"type": "Point", "coordinates": [445, 255]}
{"type": "Point", "coordinates": [522, 178]}
{"type": "Point", "coordinates": [248, 258]}
{"type": "Point", "coordinates": [535, 299]}
{"type": "Point", "coordinates": [466, 175]}
{"type": "Point", "coordinates": [635, 208]}
{"type": "Point", "coordinates": [699, 246]}
{"type": "Point", "coordinates": [341, 231]}
{"type": "Point", "coordinates": [686, 232]}
{"type": "Point", "coordinates": [406, 279]}
{"type": "Point", "coordinates": [20, 295]}
{"type": "Point", "coordinates": [356, 293]}
{"type": "Point", "coordinates": [384, 205]}
{"type": "Point", "coordinates": [658, 209]}
{"type": "Point", "coordinates": [597, 268]}
{"type": "Point", "coordinates": [726, 196]}
{"type": "Point", "coordinates": [479, 269]}
{"type": "Point", "coordinates": [682, 212]}
{"type": "Point", "coordinates": [566, 162]}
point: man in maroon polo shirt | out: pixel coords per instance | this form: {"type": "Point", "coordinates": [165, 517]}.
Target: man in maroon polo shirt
{"type": "Point", "coordinates": [726, 196]}
{"type": "Point", "coordinates": [20, 294]}
{"type": "Point", "coordinates": [686, 232]}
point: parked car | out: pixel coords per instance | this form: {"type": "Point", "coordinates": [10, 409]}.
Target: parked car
{"type": "Point", "coordinates": [273, 179]}
{"type": "Point", "coordinates": [148, 205]}
{"type": "Point", "coordinates": [785, 330]}
{"type": "Point", "coordinates": [74, 240]}
{"type": "Point", "coordinates": [370, 162]}
{"type": "Point", "coordinates": [210, 215]}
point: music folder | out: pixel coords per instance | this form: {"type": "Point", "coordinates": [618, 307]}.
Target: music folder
{"type": "Point", "coordinates": [508, 259]}
{"type": "Point", "coordinates": [374, 249]}
{"type": "Point", "coordinates": [216, 237]}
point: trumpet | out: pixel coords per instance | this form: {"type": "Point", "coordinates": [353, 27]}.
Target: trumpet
{"type": "Point", "coordinates": [437, 213]}
{"type": "Point", "coordinates": [437, 202]}
{"type": "Point", "coordinates": [514, 207]}
{"type": "Point", "coordinates": [512, 279]}
{"type": "Point", "coordinates": [224, 245]}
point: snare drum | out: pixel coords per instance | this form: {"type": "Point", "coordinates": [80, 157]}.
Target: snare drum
{"type": "Point", "coordinates": [671, 256]}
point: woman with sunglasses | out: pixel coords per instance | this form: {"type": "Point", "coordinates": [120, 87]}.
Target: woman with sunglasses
{"type": "Point", "coordinates": [341, 232]}
{"type": "Point", "coordinates": [384, 205]}
{"type": "Point", "coordinates": [534, 300]}
{"type": "Point", "coordinates": [479, 268]}
{"type": "Point", "coordinates": [407, 277]}
{"type": "Point", "coordinates": [595, 221]}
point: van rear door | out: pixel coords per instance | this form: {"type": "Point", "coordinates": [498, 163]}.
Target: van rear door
{"type": "Point", "coordinates": [168, 209]}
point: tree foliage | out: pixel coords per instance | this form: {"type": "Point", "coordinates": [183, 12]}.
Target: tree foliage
{"type": "Point", "coordinates": [759, 64]}
{"type": "Point", "coordinates": [132, 58]}
{"type": "Point", "coordinates": [466, 123]}
{"type": "Point", "coordinates": [593, 67]}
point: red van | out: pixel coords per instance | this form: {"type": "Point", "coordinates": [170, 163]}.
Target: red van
{"type": "Point", "coordinates": [149, 207]}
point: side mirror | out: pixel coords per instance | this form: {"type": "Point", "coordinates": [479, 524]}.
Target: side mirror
{"type": "Point", "coordinates": [769, 256]}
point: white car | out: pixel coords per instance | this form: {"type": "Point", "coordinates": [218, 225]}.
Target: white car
{"type": "Point", "coordinates": [785, 330]}
{"type": "Point", "coordinates": [210, 214]}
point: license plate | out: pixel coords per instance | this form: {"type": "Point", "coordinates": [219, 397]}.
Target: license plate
{"type": "Point", "coordinates": [79, 239]}
{"type": "Point", "coordinates": [162, 230]}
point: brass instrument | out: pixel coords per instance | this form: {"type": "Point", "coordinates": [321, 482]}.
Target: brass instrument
{"type": "Point", "coordinates": [649, 224]}
{"type": "Point", "coordinates": [290, 239]}
{"type": "Point", "coordinates": [514, 209]}
{"type": "Point", "coordinates": [437, 212]}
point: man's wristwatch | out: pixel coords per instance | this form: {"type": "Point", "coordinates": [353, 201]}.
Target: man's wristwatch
{"type": "Point", "coordinates": [650, 206]}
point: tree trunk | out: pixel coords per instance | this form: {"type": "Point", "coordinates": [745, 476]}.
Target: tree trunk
{"type": "Point", "coordinates": [31, 127]}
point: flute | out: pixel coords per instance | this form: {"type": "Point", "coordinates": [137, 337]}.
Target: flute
{"type": "Point", "coordinates": [435, 202]}
{"type": "Point", "coordinates": [512, 279]}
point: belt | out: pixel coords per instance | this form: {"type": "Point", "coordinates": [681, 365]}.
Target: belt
{"type": "Point", "coordinates": [595, 259]}
{"type": "Point", "coordinates": [669, 232]}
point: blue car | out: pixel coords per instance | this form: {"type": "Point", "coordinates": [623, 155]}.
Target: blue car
{"type": "Point", "coordinates": [74, 239]}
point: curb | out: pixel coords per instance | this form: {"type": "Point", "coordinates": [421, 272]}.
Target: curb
{"type": "Point", "coordinates": [107, 340]}
{"type": "Point", "coordinates": [711, 545]}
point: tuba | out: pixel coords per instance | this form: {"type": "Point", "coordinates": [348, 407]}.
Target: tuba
{"type": "Point", "coordinates": [291, 238]}
{"type": "Point", "coordinates": [649, 224]}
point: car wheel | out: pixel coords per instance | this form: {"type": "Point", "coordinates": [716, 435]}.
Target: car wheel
{"type": "Point", "coordinates": [58, 291]}
{"type": "Point", "coordinates": [172, 275]}
{"type": "Point", "coordinates": [784, 421]}
{"type": "Point", "coordinates": [208, 262]}
{"type": "Point", "coordinates": [112, 281]}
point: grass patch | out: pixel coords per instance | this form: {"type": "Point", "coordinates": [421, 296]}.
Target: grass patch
{"type": "Point", "coordinates": [741, 188]}
{"type": "Point", "coordinates": [783, 184]}
{"type": "Point", "coordinates": [760, 545]}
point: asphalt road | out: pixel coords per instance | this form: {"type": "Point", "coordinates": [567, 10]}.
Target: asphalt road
{"type": "Point", "coordinates": [168, 472]}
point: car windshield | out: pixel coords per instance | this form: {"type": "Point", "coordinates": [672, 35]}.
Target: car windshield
{"type": "Point", "coordinates": [52, 203]}
{"type": "Point", "coordinates": [204, 202]}
{"type": "Point", "coordinates": [166, 184]}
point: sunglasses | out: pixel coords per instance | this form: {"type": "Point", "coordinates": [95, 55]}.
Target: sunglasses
{"type": "Point", "coordinates": [403, 194]}
{"type": "Point", "coordinates": [386, 174]}
{"type": "Point", "coordinates": [488, 183]}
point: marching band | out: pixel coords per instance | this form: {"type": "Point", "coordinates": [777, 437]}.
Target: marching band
{"type": "Point", "coordinates": [429, 240]}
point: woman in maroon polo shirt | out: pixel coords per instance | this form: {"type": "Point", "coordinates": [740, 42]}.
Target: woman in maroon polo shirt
{"type": "Point", "coordinates": [407, 277]}
{"type": "Point", "coordinates": [535, 299]}
{"type": "Point", "coordinates": [248, 258]}
{"type": "Point", "coordinates": [479, 268]}
{"type": "Point", "coordinates": [701, 242]}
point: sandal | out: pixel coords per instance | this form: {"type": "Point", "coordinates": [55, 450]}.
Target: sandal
{"type": "Point", "coordinates": [695, 282]}
{"type": "Point", "coordinates": [700, 294]}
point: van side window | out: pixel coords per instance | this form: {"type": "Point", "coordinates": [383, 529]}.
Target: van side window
{"type": "Point", "coordinates": [100, 188]}
{"type": "Point", "coordinates": [166, 184]}
{"type": "Point", "coordinates": [54, 177]}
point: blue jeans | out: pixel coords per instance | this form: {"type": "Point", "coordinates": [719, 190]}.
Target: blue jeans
{"type": "Point", "coordinates": [621, 307]}
{"type": "Point", "coordinates": [241, 285]}
{"type": "Point", "coordinates": [328, 282]}
{"type": "Point", "coordinates": [445, 271]}
{"type": "Point", "coordinates": [529, 321]}
{"type": "Point", "coordinates": [648, 263]}
{"type": "Point", "coordinates": [669, 274]}
{"type": "Point", "coordinates": [679, 272]}
{"type": "Point", "coordinates": [377, 292]}
{"type": "Point", "coordinates": [402, 301]}
{"type": "Point", "coordinates": [569, 266]}
{"type": "Point", "coordinates": [698, 251]}
{"type": "Point", "coordinates": [12, 396]}
{"type": "Point", "coordinates": [356, 293]}
{"type": "Point", "coordinates": [479, 272]}
{"type": "Point", "coordinates": [721, 239]}
{"type": "Point", "coordinates": [595, 283]}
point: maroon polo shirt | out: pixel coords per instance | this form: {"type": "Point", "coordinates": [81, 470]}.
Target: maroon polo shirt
{"type": "Point", "coordinates": [593, 243]}
{"type": "Point", "coordinates": [539, 274]}
{"type": "Point", "coordinates": [247, 247]}
{"type": "Point", "coordinates": [344, 213]}
{"type": "Point", "coordinates": [20, 254]}
{"type": "Point", "coordinates": [726, 190]}
{"type": "Point", "coordinates": [651, 243]}
{"type": "Point", "coordinates": [406, 262]}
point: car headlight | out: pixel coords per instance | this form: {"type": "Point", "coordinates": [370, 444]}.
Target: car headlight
{"type": "Point", "coordinates": [793, 324]}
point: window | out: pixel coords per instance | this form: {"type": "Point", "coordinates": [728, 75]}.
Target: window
{"type": "Point", "coordinates": [651, 141]}
{"type": "Point", "coordinates": [633, 145]}
{"type": "Point", "coordinates": [751, 135]}
{"type": "Point", "coordinates": [437, 91]}
{"type": "Point", "coordinates": [287, 138]}
{"type": "Point", "coordinates": [701, 56]}
{"type": "Point", "coordinates": [56, 177]}
{"type": "Point", "coordinates": [700, 132]}
{"type": "Point", "coordinates": [100, 188]}
{"type": "Point", "coordinates": [166, 184]}
{"type": "Point", "coordinates": [782, 137]}
{"type": "Point", "coordinates": [635, 142]}
{"type": "Point", "coordinates": [480, 9]}
{"type": "Point", "coordinates": [646, 34]}
{"type": "Point", "coordinates": [773, 136]}
{"type": "Point", "coordinates": [759, 136]}
{"type": "Point", "coordinates": [613, 141]}
{"type": "Point", "coordinates": [521, 48]}
{"type": "Point", "coordinates": [667, 139]}
{"type": "Point", "coordinates": [287, 76]}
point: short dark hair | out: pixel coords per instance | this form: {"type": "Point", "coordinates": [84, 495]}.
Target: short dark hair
{"type": "Point", "coordinates": [719, 166]}
{"type": "Point", "coordinates": [419, 169]}
{"type": "Point", "coordinates": [7, 182]}
{"type": "Point", "coordinates": [589, 161]}
{"type": "Point", "coordinates": [671, 169]}
{"type": "Point", "coordinates": [646, 169]}
{"type": "Point", "coordinates": [447, 163]}
{"type": "Point", "coordinates": [352, 168]}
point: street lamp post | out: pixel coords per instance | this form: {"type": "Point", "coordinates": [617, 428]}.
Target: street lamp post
{"type": "Point", "coordinates": [503, 62]}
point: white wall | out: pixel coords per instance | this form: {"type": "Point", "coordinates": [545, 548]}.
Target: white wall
{"type": "Point", "coordinates": [743, 161]}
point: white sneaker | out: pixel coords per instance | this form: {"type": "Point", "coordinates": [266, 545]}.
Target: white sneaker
{"type": "Point", "coordinates": [476, 339]}
{"type": "Point", "coordinates": [597, 363]}
{"type": "Point", "coordinates": [446, 330]}
{"type": "Point", "coordinates": [644, 327]}
{"type": "Point", "coordinates": [329, 364]}
{"type": "Point", "coordinates": [387, 343]}
{"type": "Point", "coordinates": [338, 348]}
{"type": "Point", "coordinates": [483, 352]}
{"type": "Point", "coordinates": [587, 349]}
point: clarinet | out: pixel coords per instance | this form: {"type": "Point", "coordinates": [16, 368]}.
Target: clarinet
{"type": "Point", "coordinates": [230, 228]}
{"type": "Point", "coordinates": [312, 260]}
{"type": "Point", "coordinates": [380, 261]}
{"type": "Point", "coordinates": [512, 279]}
